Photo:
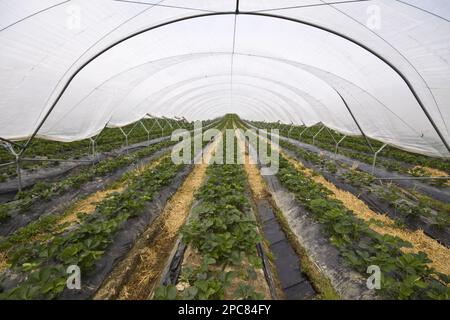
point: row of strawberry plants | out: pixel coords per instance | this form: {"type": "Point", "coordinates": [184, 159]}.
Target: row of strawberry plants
{"type": "Point", "coordinates": [406, 206]}
{"type": "Point", "coordinates": [391, 158]}
{"type": "Point", "coordinates": [404, 275]}
{"type": "Point", "coordinates": [109, 139]}
{"type": "Point", "coordinates": [48, 225]}
{"type": "Point", "coordinates": [224, 235]}
{"type": "Point", "coordinates": [42, 264]}
{"type": "Point", "coordinates": [358, 145]}
{"type": "Point", "coordinates": [45, 191]}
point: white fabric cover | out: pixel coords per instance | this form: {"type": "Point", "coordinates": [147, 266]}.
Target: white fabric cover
{"type": "Point", "coordinates": [260, 67]}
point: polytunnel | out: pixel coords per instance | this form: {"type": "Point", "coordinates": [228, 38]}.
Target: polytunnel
{"type": "Point", "coordinates": [69, 68]}
{"type": "Point", "coordinates": [326, 174]}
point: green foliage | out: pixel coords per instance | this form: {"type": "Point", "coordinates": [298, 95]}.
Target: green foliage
{"type": "Point", "coordinates": [44, 283]}
{"type": "Point", "coordinates": [223, 233]}
{"type": "Point", "coordinates": [109, 139]}
{"type": "Point", "coordinates": [356, 147]}
{"type": "Point", "coordinates": [408, 207]}
{"type": "Point", "coordinates": [358, 178]}
{"type": "Point", "coordinates": [4, 214]}
{"type": "Point", "coordinates": [405, 275]}
{"type": "Point", "coordinates": [83, 245]}
{"type": "Point", "coordinates": [166, 293]}
{"type": "Point", "coordinates": [247, 292]}
{"type": "Point", "coordinates": [45, 191]}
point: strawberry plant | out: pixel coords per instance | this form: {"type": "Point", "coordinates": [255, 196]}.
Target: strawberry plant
{"type": "Point", "coordinates": [223, 234]}
{"type": "Point", "coordinates": [391, 158]}
{"type": "Point", "coordinates": [407, 206]}
{"type": "Point", "coordinates": [361, 246]}
{"type": "Point", "coordinates": [45, 191]}
{"type": "Point", "coordinates": [86, 243]}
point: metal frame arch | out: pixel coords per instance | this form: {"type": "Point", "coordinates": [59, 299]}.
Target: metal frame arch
{"type": "Point", "coordinates": [225, 93]}
{"type": "Point", "coordinates": [176, 100]}
{"type": "Point", "coordinates": [237, 12]}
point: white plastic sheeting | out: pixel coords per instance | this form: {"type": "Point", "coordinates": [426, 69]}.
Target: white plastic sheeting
{"type": "Point", "coordinates": [202, 60]}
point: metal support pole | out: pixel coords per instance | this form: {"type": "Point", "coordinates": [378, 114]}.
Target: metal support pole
{"type": "Point", "coordinates": [153, 125]}
{"type": "Point", "coordinates": [331, 135]}
{"type": "Point", "coordinates": [185, 122]}
{"type": "Point", "coordinates": [157, 122]}
{"type": "Point", "coordinates": [301, 134]}
{"type": "Point", "coordinates": [413, 178]}
{"type": "Point", "coordinates": [72, 75]}
{"type": "Point", "coordinates": [126, 137]}
{"type": "Point", "coordinates": [178, 125]}
{"type": "Point", "coordinates": [356, 122]}
{"type": "Point", "coordinates": [290, 130]}
{"type": "Point", "coordinates": [154, 122]}
{"type": "Point", "coordinates": [11, 142]}
{"type": "Point", "coordinates": [315, 136]}
{"type": "Point", "coordinates": [159, 125]}
{"type": "Point", "coordinates": [145, 128]}
{"type": "Point", "coordinates": [375, 157]}
{"type": "Point", "coordinates": [99, 134]}
{"type": "Point", "coordinates": [53, 160]}
{"type": "Point", "coordinates": [167, 121]}
{"type": "Point", "coordinates": [17, 157]}
{"type": "Point", "coordinates": [134, 127]}
{"type": "Point", "coordinates": [338, 143]}
{"type": "Point", "coordinates": [92, 141]}
{"type": "Point", "coordinates": [19, 174]}
{"type": "Point", "coordinates": [7, 164]}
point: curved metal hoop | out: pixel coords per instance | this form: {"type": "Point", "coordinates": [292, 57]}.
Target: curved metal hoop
{"type": "Point", "coordinates": [237, 12]}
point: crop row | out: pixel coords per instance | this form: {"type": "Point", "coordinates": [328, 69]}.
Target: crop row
{"type": "Point", "coordinates": [39, 253]}
{"type": "Point", "coordinates": [391, 158]}
{"type": "Point", "coordinates": [34, 258]}
{"type": "Point", "coordinates": [406, 205]}
{"type": "Point", "coordinates": [404, 276]}
{"type": "Point", "coordinates": [45, 191]}
{"type": "Point", "coordinates": [224, 234]}
{"type": "Point", "coordinates": [109, 139]}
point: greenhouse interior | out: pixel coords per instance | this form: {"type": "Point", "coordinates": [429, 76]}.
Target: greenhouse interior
{"type": "Point", "coordinates": [225, 150]}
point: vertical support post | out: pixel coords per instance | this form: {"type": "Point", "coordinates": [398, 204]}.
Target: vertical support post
{"type": "Point", "coordinates": [315, 136]}
{"type": "Point", "coordinates": [338, 143]}
{"type": "Point", "coordinates": [375, 157]}
{"type": "Point", "coordinates": [17, 156]}
{"type": "Point", "coordinates": [154, 122]}
{"type": "Point", "coordinates": [92, 142]}
{"type": "Point", "coordinates": [126, 138]}
{"type": "Point", "coordinates": [19, 173]}
{"type": "Point", "coordinates": [145, 128]}
{"type": "Point", "coordinates": [96, 138]}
